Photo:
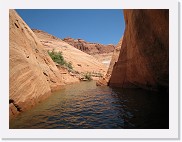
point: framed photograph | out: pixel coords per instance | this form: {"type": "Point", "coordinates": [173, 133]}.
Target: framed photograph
{"type": "Point", "coordinates": [90, 69]}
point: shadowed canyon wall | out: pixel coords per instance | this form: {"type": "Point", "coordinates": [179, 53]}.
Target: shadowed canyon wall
{"type": "Point", "coordinates": [144, 57]}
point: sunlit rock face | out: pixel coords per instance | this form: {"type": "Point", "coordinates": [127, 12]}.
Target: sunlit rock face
{"type": "Point", "coordinates": [144, 56]}
{"type": "Point", "coordinates": [104, 80]}
{"type": "Point", "coordinates": [81, 61]}
{"type": "Point", "coordinates": [88, 47]}
{"type": "Point", "coordinates": [32, 73]}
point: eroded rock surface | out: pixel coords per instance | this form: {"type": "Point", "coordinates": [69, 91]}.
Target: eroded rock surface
{"type": "Point", "coordinates": [115, 55]}
{"type": "Point", "coordinates": [89, 48]}
{"type": "Point", "coordinates": [81, 61]}
{"type": "Point", "coordinates": [33, 74]}
{"type": "Point", "coordinates": [144, 56]}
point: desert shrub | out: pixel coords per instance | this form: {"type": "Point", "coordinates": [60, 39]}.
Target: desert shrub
{"type": "Point", "coordinates": [58, 58]}
{"type": "Point", "coordinates": [88, 76]}
{"type": "Point", "coordinates": [99, 74]}
{"type": "Point", "coordinates": [69, 65]}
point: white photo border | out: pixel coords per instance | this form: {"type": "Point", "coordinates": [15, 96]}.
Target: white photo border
{"type": "Point", "coordinates": [171, 133]}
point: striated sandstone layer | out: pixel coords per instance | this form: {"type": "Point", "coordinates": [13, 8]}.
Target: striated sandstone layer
{"type": "Point", "coordinates": [115, 55]}
{"type": "Point", "coordinates": [32, 73]}
{"type": "Point", "coordinates": [104, 58]}
{"type": "Point", "coordinates": [89, 48]}
{"type": "Point", "coordinates": [144, 56]}
{"type": "Point", "coordinates": [81, 61]}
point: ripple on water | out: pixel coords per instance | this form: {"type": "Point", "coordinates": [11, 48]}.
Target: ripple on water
{"type": "Point", "coordinates": [85, 105]}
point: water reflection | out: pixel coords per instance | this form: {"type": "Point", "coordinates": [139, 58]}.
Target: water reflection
{"type": "Point", "coordinates": [85, 105]}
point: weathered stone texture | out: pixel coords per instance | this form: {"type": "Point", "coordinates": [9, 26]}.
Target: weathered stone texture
{"type": "Point", "coordinates": [144, 56]}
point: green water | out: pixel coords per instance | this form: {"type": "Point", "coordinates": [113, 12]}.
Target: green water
{"type": "Point", "coordinates": [85, 105]}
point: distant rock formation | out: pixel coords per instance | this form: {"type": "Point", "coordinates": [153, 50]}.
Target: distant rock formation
{"type": "Point", "coordinates": [89, 48]}
{"type": "Point", "coordinates": [106, 78]}
{"type": "Point", "coordinates": [81, 61]}
{"type": "Point", "coordinates": [144, 57]}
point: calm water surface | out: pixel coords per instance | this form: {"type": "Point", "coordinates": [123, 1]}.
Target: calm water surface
{"type": "Point", "coordinates": [85, 105]}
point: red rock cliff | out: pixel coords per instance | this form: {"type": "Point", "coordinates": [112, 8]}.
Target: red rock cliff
{"type": "Point", "coordinates": [144, 56]}
{"type": "Point", "coordinates": [32, 74]}
{"type": "Point", "coordinates": [115, 55]}
{"type": "Point", "coordinates": [89, 48]}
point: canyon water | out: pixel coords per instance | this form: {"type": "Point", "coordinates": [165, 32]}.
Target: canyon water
{"type": "Point", "coordinates": [87, 106]}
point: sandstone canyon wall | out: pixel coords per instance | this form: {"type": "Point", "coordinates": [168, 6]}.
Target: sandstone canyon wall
{"type": "Point", "coordinates": [115, 55]}
{"type": "Point", "coordinates": [81, 61]}
{"type": "Point", "coordinates": [144, 56]}
{"type": "Point", "coordinates": [32, 73]}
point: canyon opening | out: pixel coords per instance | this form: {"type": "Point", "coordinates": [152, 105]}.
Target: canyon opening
{"type": "Point", "coordinates": [89, 69]}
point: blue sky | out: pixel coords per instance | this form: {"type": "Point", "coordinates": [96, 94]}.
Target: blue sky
{"type": "Point", "coordinates": [100, 26]}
